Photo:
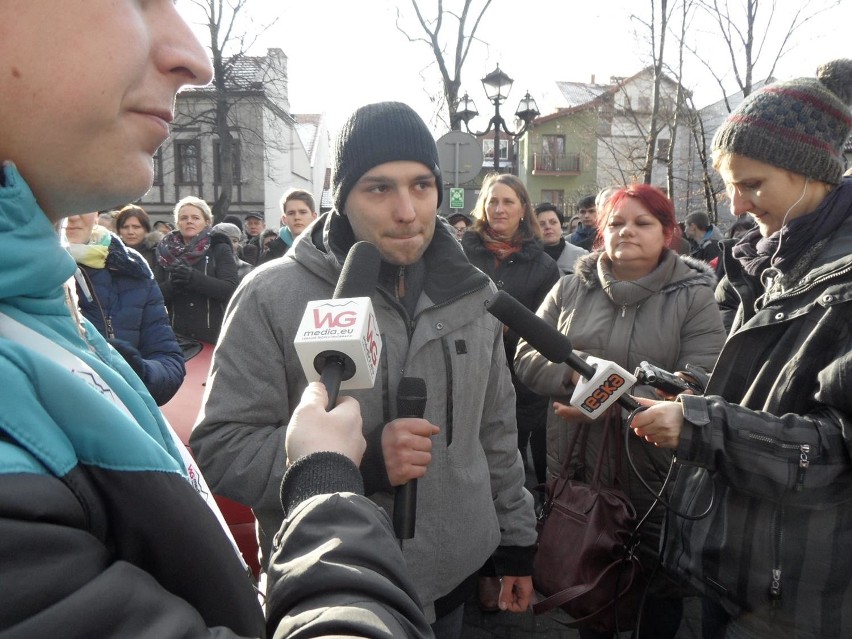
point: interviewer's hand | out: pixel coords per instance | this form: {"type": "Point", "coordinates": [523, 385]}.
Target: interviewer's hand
{"type": "Point", "coordinates": [313, 430]}
{"type": "Point", "coordinates": [407, 446]}
{"type": "Point", "coordinates": [661, 424]}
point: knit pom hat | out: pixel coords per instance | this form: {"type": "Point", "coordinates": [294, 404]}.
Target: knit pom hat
{"type": "Point", "coordinates": [800, 125]}
{"type": "Point", "coordinates": [379, 133]}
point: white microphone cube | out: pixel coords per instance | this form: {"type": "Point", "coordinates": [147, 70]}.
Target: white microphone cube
{"type": "Point", "coordinates": [610, 381]}
{"type": "Point", "coordinates": [346, 326]}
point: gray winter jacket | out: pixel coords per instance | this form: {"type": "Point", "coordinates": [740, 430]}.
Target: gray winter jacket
{"type": "Point", "coordinates": [669, 318]}
{"type": "Point", "coordinates": [472, 498]}
{"type": "Point", "coordinates": [568, 257]}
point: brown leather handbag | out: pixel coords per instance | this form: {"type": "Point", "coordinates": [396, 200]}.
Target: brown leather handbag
{"type": "Point", "coordinates": [586, 562]}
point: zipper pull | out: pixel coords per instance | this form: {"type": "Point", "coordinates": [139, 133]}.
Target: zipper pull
{"type": "Point", "coordinates": [400, 283]}
{"type": "Point", "coordinates": [623, 310]}
{"type": "Point", "coordinates": [775, 588]}
{"type": "Point", "coordinates": [109, 329]}
{"type": "Point", "coordinates": [804, 464]}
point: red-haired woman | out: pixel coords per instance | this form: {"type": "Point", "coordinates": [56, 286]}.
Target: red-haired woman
{"type": "Point", "coordinates": [633, 299]}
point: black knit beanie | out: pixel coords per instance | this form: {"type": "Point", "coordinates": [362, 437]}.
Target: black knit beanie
{"type": "Point", "coordinates": [800, 125]}
{"type": "Point", "coordinates": [379, 133]}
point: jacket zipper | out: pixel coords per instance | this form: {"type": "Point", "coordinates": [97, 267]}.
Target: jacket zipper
{"type": "Point", "coordinates": [109, 329]}
{"type": "Point", "coordinates": [775, 573]}
{"type": "Point", "coordinates": [206, 262]}
{"type": "Point", "coordinates": [815, 283]}
{"type": "Point", "coordinates": [775, 593]}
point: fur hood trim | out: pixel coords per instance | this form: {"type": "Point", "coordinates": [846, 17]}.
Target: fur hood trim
{"type": "Point", "coordinates": [696, 273]}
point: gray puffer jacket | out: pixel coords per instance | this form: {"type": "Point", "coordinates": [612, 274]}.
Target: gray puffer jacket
{"type": "Point", "coordinates": [472, 498]}
{"type": "Point", "coordinates": [668, 317]}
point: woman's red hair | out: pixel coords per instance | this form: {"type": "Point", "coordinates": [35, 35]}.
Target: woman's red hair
{"type": "Point", "coordinates": [652, 198]}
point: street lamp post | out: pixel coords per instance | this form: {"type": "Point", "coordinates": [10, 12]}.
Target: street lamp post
{"type": "Point", "coordinates": [497, 86]}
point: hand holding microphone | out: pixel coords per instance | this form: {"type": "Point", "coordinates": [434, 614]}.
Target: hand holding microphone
{"type": "Point", "coordinates": [312, 429]}
{"type": "Point", "coordinates": [406, 446]}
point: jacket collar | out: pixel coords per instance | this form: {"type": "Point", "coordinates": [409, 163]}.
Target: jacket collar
{"type": "Point", "coordinates": [448, 274]}
{"type": "Point", "coordinates": [675, 271]}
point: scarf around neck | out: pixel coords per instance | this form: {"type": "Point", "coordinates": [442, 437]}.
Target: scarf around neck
{"type": "Point", "coordinates": [782, 249]}
{"type": "Point", "coordinates": [634, 292]}
{"type": "Point", "coordinates": [94, 252]}
{"type": "Point", "coordinates": [172, 250]}
{"type": "Point", "coordinates": [500, 248]}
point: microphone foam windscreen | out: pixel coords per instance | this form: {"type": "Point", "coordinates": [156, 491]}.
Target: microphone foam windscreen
{"type": "Point", "coordinates": [360, 272]}
{"type": "Point", "coordinates": [539, 334]}
{"type": "Point", "coordinates": [411, 397]}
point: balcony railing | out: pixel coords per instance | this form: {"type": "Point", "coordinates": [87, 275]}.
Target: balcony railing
{"type": "Point", "coordinates": [562, 163]}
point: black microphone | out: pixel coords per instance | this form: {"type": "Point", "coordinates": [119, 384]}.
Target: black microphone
{"type": "Point", "coordinates": [339, 337]}
{"type": "Point", "coordinates": [410, 402]}
{"type": "Point", "coordinates": [544, 338]}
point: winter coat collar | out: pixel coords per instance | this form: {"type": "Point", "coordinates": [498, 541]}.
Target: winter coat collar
{"type": "Point", "coordinates": [26, 232]}
{"type": "Point", "coordinates": [124, 260]}
{"type": "Point", "coordinates": [674, 271]}
{"type": "Point", "coordinates": [448, 273]}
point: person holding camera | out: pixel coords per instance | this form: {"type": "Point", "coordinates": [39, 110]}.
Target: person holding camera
{"type": "Point", "coordinates": [767, 449]}
{"type": "Point", "coordinates": [196, 272]}
{"type": "Point", "coordinates": [632, 299]}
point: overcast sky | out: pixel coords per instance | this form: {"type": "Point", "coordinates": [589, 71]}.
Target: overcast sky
{"type": "Point", "coordinates": [345, 53]}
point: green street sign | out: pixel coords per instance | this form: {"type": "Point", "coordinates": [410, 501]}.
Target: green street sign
{"type": "Point", "coordinates": [456, 198]}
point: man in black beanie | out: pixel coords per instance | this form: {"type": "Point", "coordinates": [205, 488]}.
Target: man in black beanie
{"type": "Point", "coordinates": [429, 303]}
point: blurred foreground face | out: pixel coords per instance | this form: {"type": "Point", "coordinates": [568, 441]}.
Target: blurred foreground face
{"type": "Point", "coordinates": [82, 117]}
{"type": "Point", "coordinates": [78, 229]}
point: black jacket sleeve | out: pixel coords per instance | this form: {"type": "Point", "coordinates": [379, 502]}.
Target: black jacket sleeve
{"type": "Point", "coordinates": [60, 580]}
{"type": "Point", "coordinates": [337, 569]}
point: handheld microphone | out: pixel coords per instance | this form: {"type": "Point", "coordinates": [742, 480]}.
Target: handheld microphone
{"type": "Point", "coordinates": [604, 382]}
{"type": "Point", "coordinates": [338, 341]}
{"type": "Point", "coordinates": [410, 402]}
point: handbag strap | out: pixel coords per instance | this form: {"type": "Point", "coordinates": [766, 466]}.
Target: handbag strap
{"type": "Point", "coordinates": [574, 592]}
{"type": "Point", "coordinates": [602, 450]}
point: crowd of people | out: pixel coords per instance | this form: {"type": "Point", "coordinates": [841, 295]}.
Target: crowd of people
{"type": "Point", "coordinates": [107, 527]}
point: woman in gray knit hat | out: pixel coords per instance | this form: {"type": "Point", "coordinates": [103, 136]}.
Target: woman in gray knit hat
{"type": "Point", "coordinates": [766, 455]}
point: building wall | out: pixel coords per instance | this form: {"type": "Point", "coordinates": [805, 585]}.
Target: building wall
{"type": "Point", "coordinates": [272, 157]}
{"type": "Point", "coordinates": [578, 130]}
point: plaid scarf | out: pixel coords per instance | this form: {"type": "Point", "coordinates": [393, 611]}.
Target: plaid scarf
{"type": "Point", "coordinates": [500, 248]}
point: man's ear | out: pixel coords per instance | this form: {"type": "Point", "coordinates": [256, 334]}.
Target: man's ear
{"type": "Point", "coordinates": [313, 215]}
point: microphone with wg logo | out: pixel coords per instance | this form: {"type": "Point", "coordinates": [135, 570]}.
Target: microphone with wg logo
{"type": "Point", "coordinates": [338, 341]}
{"type": "Point", "coordinates": [410, 402]}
